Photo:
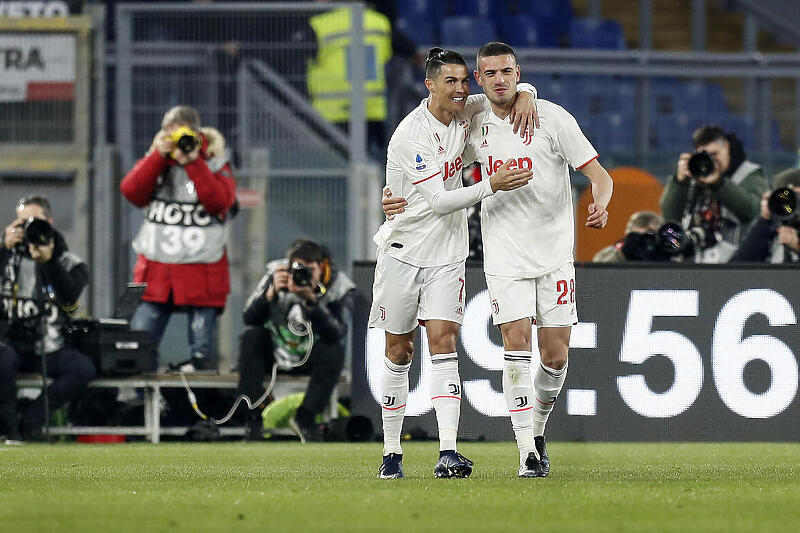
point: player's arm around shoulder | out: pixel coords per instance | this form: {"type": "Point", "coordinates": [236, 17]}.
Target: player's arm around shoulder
{"type": "Point", "coordinates": [602, 187]}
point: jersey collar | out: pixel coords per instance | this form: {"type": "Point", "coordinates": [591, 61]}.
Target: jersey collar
{"type": "Point", "coordinates": [437, 126]}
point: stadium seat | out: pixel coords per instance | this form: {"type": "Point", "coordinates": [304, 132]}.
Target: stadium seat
{"type": "Point", "coordinates": [555, 14]}
{"type": "Point", "coordinates": [478, 8]}
{"type": "Point", "coordinates": [431, 10]}
{"type": "Point", "coordinates": [673, 133]}
{"type": "Point", "coordinates": [614, 132]}
{"type": "Point", "coordinates": [422, 31]}
{"type": "Point", "coordinates": [466, 31]}
{"type": "Point", "coordinates": [745, 128]}
{"type": "Point", "coordinates": [596, 33]}
{"type": "Point", "coordinates": [524, 31]}
{"type": "Point", "coordinates": [666, 97]}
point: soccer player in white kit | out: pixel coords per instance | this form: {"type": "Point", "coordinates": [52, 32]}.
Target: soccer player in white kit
{"type": "Point", "coordinates": [419, 275]}
{"type": "Point", "coordinates": [528, 240]}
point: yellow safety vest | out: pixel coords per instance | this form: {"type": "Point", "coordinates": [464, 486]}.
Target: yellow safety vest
{"type": "Point", "coordinates": [329, 73]}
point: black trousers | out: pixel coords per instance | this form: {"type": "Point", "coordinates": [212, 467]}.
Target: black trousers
{"type": "Point", "coordinates": [71, 369]}
{"type": "Point", "coordinates": [256, 359]}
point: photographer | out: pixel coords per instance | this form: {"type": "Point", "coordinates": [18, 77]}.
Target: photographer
{"type": "Point", "coordinates": [714, 193]}
{"type": "Point", "coordinates": [185, 183]}
{"type": "Point", "coordinates": [40, 282]}
{"type": "Point", "coordinates": [775, 237]}
{"type": "Point", "coordinates": [303, 288]}
{"type": "Point", "coordinates": [640, 242]}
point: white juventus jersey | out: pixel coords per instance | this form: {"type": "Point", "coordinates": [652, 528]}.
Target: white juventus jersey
{"type": "Point", "coordinates": [425, 156]}
{"type": "Point", "coordinates": [529, 231]}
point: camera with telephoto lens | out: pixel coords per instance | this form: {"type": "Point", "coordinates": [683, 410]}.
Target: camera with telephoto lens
{"type": "Point", "coordinates": [37, 232]}
{"type": "Point", "coordinates": [301, 274]}
{"type": "Point", "coordinates": [701, 164]}
{"type": "Point", "coordinates": [674, 240]}
{"type": "Point", "coordinates": [783, 206]}
{"type": "Point", "coordinates": [185, 139]}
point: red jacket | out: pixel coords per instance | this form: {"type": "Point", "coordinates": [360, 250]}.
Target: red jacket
{"type": "Point", "coordinates": [195, 284]}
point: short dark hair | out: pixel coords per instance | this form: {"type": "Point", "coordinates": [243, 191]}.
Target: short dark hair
{"type": "Point", "coordinates": [438, 57]}
{"type": "Point", "coordinates": [308, 251]}
{"type": "Point", "coordinates": [495, 48]}
{"type": "Point", "coordinates": [35, 199]}
{"type": "Point", "coordinates": [706, 134]}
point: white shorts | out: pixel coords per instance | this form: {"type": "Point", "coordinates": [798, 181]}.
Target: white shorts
{"type": "Point", "coordinates": [549, 300]}
{"type": "Point", "coordinates": [404, 294]}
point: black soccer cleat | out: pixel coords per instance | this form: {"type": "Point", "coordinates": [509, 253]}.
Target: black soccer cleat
{"type": "Point", "coordinates": [541, 447]}
{"type": "Point", "coordinates": [452, 464]}
{"type": "Point", "coordinates": [532, 467]}
{"type": "Point", "coordinates": [392, 467]}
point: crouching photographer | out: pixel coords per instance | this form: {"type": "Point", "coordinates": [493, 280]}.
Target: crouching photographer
{"type": "Point", "coordinates": [715, 195]}
{"type": "Point", "coordinates": [300, 291]}
{"type": "Point", "coordinates": [640, 243]}
{"type": "Point", "coordinates": [775, 237]}
{"type": "Point", "coordinates": [40, 282]}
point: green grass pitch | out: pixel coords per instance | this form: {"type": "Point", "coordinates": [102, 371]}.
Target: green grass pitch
{"type": "Point", "coordinates": [285, 486]}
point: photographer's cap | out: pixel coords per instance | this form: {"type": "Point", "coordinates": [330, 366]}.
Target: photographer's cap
{"type": "Point", "coordinates": [787, 178]}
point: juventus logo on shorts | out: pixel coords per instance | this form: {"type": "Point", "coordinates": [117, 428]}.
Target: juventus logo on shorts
{"type": "Point", "coordinates": [388, 401]}
{"type": "Point", "coordinates": [383, 313]}
{"type": "Point", "coordinates": [521, 401]}
{"type": "Point", "coordinates": [495, 306]}
{"type": "Point", "coordinates": [454, 389]}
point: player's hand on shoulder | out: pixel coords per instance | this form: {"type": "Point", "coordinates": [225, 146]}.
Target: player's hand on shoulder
{"type": "Point", "coordinates": [506, 179]}
{"type": "Point", "coordinates": [392, 205]}
{"type": "Point", "coordinates": [598, 216]}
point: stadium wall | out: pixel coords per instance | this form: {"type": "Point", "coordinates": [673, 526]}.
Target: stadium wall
{"type": "Point", "coordinates": [673, 352]}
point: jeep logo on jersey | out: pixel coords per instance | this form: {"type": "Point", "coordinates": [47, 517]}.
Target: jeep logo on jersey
{"type": "Point", "coordinates": [450, 169]}
{"type": "Point", "coordinates": [493, 165]}
{"type": "Point", "coordinates": [178, 214]}
{"type": "Point", "coordinates": [419, 163]}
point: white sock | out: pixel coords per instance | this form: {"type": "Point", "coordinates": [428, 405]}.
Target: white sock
{"type": "Point", "coordinates": [547, 382]}
{"type": "Point", "coordinates": [394, 394]}
{"type": "Point", "coordinates": [446, 397]}
{"type": "Point", "coordinates": [518, 392]}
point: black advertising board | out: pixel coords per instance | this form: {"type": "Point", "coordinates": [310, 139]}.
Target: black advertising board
{"type": "Point", "coordinates": [661, 352]}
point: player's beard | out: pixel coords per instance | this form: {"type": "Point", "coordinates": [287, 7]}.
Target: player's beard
{"type": "Point", "coordinates": [502, 100]}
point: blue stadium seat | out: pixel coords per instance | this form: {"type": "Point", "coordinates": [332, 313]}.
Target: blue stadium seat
{"type": "Point", "coordinates": [615, 132]}
{"type": "Point", "coordinates": [478, 8]}
{"type": "Point", "coordinates": [673, 133]}
{"type": "Point", "coordinates": [745, 128]}
{"type": "Point", "coordinates": [666, 97]}
{"type": "Point", "coordinates": [420, 29]}
{"type": "Point", "coordinates": [555, 14]}
{"type": "Point", "coordinates": [466, 31]}
{"type": "Point", "coordinates": [596, 33]}
{"type": "Point", "coordinates": [524, 31]}
{"type": "Point", "coordinates": [431, 10]}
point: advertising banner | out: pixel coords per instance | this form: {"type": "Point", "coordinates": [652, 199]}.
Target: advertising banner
{"type": "Point", "coordinates": [672, 352]}
{"type": "Point", "coordinates": [37, 66]}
